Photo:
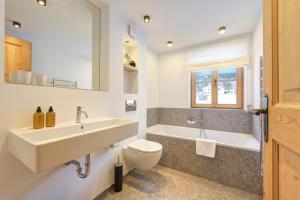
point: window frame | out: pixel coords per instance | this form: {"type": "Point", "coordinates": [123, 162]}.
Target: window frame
{"type": "Point", "coordinates": [214, 91]}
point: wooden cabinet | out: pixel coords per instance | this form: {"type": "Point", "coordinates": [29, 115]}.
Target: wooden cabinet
{"type": "Point", "coordinates": [17, 56]}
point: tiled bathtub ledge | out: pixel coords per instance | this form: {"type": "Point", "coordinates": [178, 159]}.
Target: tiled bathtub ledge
{"type": "Point", "coordinates": [231, 120]}
{"type": "Point", "coordinates": [233, 167]}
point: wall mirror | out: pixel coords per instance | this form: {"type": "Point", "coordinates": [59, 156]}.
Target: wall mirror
{"type": "Point", "coordinates": [52, 43]}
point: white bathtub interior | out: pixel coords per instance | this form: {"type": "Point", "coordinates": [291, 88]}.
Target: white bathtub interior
{"type": "Point", "coordinates": [236, 140]}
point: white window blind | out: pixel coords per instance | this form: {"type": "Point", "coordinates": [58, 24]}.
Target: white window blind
{"type": "Point", "coordinates": [228, 53]}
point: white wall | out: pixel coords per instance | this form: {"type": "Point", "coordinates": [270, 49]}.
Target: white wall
{"type": "Point", "coordinates": [63, 48]}
{"type": "Point", "coordinates": [152, 79]}
{"type": "Point", "coordinates": [18, 103]}
{"type": "Point", "coordinates": [174, 80]}
{"type": "Point", "coordinates": [59, 62]}
{"type": "Point", "coordinates": [257, 52]}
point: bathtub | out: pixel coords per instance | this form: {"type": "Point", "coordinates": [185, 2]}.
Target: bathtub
{"type": "Point", "coordinates": [235, 140]}
{"type": "Point", "coordinates": [237, 160]}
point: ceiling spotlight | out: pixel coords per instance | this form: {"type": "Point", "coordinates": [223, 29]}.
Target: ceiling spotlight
{"type": "Point", "coordinates": [42, 2]}
{"type": "Point", "coordinates": [17, 24]}
{"type": "Point", "coordinates": [222, 30]}
{"type": "Point", "coordinates": [147, 19]}
{"type": "Point", "coordinates": [169, 44]}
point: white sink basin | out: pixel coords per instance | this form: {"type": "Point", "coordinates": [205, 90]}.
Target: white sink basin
{"type": "Point", "coordinates": [41, 149]}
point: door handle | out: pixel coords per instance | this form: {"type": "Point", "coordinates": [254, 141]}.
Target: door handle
{"type": "Point", "coordinates": [264, 112]}
{"type": "Point", "coordinates": [259, 111]}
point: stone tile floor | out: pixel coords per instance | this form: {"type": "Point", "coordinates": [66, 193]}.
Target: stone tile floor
{"type": "Point", "coordinates": [163, 183]}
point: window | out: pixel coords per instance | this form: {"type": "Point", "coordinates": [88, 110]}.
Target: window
{"type": "Point", "coordinates": [222, 88]}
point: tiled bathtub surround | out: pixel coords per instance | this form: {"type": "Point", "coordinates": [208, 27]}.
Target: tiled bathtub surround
{"type": "Point", "coordinates": [232, 120]}
{"type": "Point", "coordinates": [257, 127]}
{"type": "Point", "coordinates": [153, 115]}
{"type": "Point", "coordinates": [231, 166]}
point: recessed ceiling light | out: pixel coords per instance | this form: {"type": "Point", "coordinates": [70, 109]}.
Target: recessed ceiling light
{"type": "Point", "coordinates": [147, 19]}
{"type": "Point", "coordinates": [42, 2]}
{"type": "Point", "coordinates": [17, 24]}
{"type": "Point", "coordinates": [222, 30]}
{"type": "Point", "coordinates": [169, 44]}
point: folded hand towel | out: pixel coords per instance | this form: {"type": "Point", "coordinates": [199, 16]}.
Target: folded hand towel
{"type": "Point", "coordinates": [205, 147]}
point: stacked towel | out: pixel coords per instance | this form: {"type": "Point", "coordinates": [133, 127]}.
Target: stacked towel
{"type": "Point", "coordinates": [205, 147]}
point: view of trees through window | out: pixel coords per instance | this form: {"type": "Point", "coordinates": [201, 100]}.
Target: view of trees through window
{"type": "Point", "coordinates": [204, 87]}
{"type": "Point", "coordinates": [218, 87]}
{"type": "Point", "coordinates": [227, 86]}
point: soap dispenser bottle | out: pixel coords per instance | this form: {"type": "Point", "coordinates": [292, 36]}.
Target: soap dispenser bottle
{"type": "Point", "coordinates": [50, 118]}
{"type": "Point", "coordinates": [38, 119]}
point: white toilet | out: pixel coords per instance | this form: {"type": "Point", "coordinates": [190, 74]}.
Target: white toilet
{"type": "Point", "coordinates": [143, 154]}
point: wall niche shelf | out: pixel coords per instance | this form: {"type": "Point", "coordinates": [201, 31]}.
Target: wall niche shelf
{"type": "Point", "coordinates": [131, 75]}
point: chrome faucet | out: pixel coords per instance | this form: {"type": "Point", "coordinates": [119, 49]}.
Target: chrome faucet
{"type": "Point", "coordinates": [201, 127]}
{"type": "Point", "coordinates": [202, 131]}
{"type": "Point", "coordinates": [79, 112]}
{"type": "Point", "coordinates": [190, 120]}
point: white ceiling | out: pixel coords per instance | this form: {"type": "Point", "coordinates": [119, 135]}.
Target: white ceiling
{"type": "Point", "coordinates": [190, 22]}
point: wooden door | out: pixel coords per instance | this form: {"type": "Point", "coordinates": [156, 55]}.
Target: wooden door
{"type": "Point", "coordinates": [17, 55]}
{"type": "Point", "coordinates": [282, 73]}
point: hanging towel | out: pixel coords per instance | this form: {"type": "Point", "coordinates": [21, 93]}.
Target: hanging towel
{"type": "Point", "coordinates": [205, 147]}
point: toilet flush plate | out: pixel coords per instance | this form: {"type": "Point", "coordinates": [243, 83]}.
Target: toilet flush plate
{"type": "Point", "coordinates": [49, 147]}
{"type": "Point", "coordinates": [130, 105]}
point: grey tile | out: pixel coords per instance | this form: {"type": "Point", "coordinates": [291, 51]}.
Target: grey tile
{"type": "Point", "coordinates": [216, 119]}
{"type": "Point", "coordinates": [257, 127]}
{"type": "Point", "coordinates": [153, 116]}
{"type": "Point", "coordinates": [233, 167]}
{"type": "Point", "coordinates": [173, 116]}
{"type": "Point", "coordinates": [228, 120]}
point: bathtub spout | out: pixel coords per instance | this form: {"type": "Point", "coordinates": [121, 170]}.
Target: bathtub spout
{"type": "Point", "coordinates": [202, 133]}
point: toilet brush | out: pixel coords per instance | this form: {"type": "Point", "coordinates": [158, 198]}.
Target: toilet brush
{"type": "Point", "coordinates": [118, 176]}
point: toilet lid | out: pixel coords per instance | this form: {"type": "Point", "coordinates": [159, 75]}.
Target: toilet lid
{"type": "Point", "coordinates": [145, 146]}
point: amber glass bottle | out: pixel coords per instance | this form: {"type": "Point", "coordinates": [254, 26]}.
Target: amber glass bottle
{"type": "Point", "coordinates": [50, 118]}
{"type": "Point", "coordinates": [38, 119]}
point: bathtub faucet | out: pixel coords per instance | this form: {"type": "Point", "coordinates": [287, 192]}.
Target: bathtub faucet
{"type": "Point", "coordinates": [191, 121]}
{"type": "Point", "coordinates": [202, 133]}
{"type": "Point", "coordinates": [202, 130]}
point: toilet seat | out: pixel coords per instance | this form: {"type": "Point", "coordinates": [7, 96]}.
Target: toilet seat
{"type": "Point", "coordinates": [145, 146]}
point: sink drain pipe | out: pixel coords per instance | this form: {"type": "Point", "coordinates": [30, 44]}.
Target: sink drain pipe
{"type": "Point", "coordinates": [79, 168]}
